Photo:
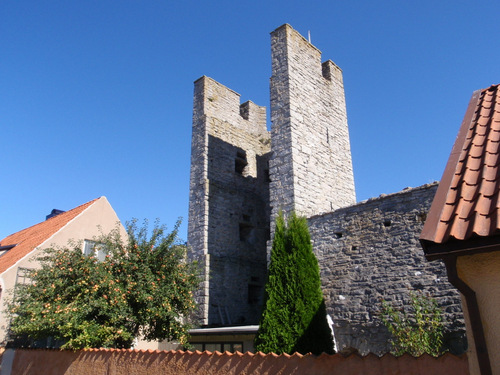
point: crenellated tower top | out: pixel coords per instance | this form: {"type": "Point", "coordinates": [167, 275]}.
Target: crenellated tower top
{"type": "Point", "coordinates": [311, 167]}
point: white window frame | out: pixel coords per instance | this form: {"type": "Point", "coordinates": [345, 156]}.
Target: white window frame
{"type": "Point", "coordinates": [94, 248]}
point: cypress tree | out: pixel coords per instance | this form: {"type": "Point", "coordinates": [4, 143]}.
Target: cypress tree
{"type": "Point", "coordinates": [294, 316]}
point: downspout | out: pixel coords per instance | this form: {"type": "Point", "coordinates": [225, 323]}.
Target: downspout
{"type": "Point", "coordinates": [474, 316]}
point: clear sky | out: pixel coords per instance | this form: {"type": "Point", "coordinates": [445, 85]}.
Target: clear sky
{"type": "Point", "coordinates": [96, 96]}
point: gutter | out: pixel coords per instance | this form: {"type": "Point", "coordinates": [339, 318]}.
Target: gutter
{"type": "Point", "coordinates": [474, 315]}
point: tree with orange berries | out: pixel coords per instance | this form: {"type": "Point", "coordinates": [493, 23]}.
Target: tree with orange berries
{"type": "Point", "coordinates": [143, 288]}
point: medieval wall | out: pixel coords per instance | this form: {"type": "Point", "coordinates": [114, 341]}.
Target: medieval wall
{"type": "Point", "coordinates": [367, 251]}
{"type": "Point", "coordinates": [229, 203]}
{"type": "Point", "coordinates": [371, 251]}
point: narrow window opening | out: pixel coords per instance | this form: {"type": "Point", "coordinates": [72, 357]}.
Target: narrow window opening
{"type": "Point", "coordinates": [267, 176]}
{"type": "Point", "coordinates": [254, 293]}
{"type": "Point", "coordinates": [240, 162]}
{"type": "Point", "coordinates": [387, 223]}
{"type": "Point", "coordinates": [354, 248]}
{"type": "Point", "coordinates": [245, 232]}
{"type": "Point", "coordinates": [338, 234]}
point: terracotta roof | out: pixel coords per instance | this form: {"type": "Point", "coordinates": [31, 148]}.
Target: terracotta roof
{"type": "Point", "coordinates": [28, 239]}
{"type": "Point", "coordinates": [466, 205]}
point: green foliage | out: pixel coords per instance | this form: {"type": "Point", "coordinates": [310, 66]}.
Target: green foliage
{"type": "Point", "coordinates": [294, 317]}
{"type": "Point", "coordinates": [418, 331]}
{"type": "Point", "coordinates": [142, 288]}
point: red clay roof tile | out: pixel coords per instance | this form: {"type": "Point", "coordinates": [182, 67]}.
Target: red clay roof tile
{"type": "Point", "coordinates": [467, 202]}
{"type": "Point", "coordinates": [28, 239]}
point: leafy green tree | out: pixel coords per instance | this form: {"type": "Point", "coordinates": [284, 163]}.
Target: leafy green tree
{"type": "Point", "coordinates": [294, 316]}
{"type": "Point", "coordinates": [417, 331]}
{"type": "Point", "coordinates": [142, 288]}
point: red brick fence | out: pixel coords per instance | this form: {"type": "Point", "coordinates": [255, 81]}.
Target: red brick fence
{"type": "Point", "coordinates": [121, 362]}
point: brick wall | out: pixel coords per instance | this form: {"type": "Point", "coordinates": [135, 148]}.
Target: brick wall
{"type": "Point", "coordinates": [124, 362]}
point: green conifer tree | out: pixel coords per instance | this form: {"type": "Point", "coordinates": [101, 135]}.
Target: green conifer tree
{"type": "Point", "coordinates": [294, 316]}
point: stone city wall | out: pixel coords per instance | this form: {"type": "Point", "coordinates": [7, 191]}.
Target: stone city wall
{"type": "Point", "coordinates": [371, 251]}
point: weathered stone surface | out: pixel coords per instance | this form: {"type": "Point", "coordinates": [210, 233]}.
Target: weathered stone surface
{"type": "Point", "coordinates": [229, 203]}
{"type": "Point", "coordinates": [367, 251]}
{"type": "Point", "coordinates": [370, 251]}
{"type": "Point", "coordinates": [310, 140]}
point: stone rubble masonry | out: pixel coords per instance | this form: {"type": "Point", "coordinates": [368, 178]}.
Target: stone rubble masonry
{"type": "Point", "coordinates": [241, 175]}
{"type": "Point", "coordinates": [311, 167]}
{"type": "Point", "coordinates": [229, 203]}
{"type": "Point", "coordinates": [370, 251]}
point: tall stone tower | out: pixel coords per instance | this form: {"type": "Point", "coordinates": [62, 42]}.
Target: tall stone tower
{"type": "Point", "coordinates": [311, 167]}
{"type": "Point", "coordinates": [237, 185]}
{"type": "Point", "coordinates": [229, 203]}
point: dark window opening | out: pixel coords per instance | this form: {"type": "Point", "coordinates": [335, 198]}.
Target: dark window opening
{"type": "Point", "coordinates": [387, 223]}
{"type": "Point", "coordinates": [354, 248]}
{"type": "Point", "coordinates": [245, 231]}
{"type": "Point", "coordinates": [241, 162]}
{"type": "Point", "coordinates": [267, 176]}
{"type": "Point", "coordinates": [254, 294]}
{"type": "Point", "coordinates": [338, 234]}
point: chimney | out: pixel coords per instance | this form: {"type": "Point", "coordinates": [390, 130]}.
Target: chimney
{"type": "Point", "coordinates": [53, 213]}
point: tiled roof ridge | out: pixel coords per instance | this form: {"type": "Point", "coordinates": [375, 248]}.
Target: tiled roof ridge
{"type": "Point", "coordinates": [491, 87]}
{"type": "Point", "coordinates": [250, 354]}
{"type": "Point", "coordinates": [69, 212]}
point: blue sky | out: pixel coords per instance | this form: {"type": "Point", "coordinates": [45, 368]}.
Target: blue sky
{"type": "Point", "coordinates": [96, 96]}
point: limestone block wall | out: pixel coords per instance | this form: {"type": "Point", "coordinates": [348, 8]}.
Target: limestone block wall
{"type": "Point", "coordinates": [311, 167]}
{"type": "Point", "coordinates": [229, 203]}
{"type": "Point", "coordinates": [370, 251]}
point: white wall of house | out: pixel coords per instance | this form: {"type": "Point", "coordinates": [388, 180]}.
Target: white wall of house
{"type": "Point", "coordinates": [481, 273]}
{"type": "Point", "coordinates": [98, 218]}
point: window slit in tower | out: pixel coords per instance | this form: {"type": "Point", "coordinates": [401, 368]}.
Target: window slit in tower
{"type": "Point", "coordinates": [240, 162]}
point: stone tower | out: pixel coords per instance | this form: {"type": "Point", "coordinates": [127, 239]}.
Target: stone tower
{"type": "Point", "coordinates": [242, 175]}
{"type": "Point", "coordinates": [311, 167]}
{"type": "Point", "coordinates": [238, 185]}
{"type": "Point", "coordinates": [229, 203]}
